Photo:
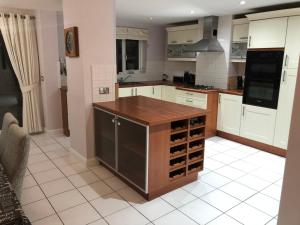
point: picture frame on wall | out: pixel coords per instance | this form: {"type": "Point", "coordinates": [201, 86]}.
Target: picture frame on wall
{"type": "Point", "coordinates": [71, 42]}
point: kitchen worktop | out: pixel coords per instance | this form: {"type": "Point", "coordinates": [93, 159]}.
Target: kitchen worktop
{"type": "Point", "coordinates": [232, 92]}
{"type": "Point", "coordinates": [180, 86]}
{"type": "Point", "coordinates": [149, 111]}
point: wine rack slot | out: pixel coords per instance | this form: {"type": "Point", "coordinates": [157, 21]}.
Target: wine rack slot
{"type": "Point", "coordinates": [178, 162]}
{"type": "Point", "coordinates": [178, 150]}
{"type": "Point", "coordinates": [179, 125]}
{"type": "Point", "coordinates": [177, 174]}
{"type": "Point", "coordinates": [197, 133]}
{"type": "Point", "coordinates": [178, 138]}
{"type": "Point", "coordinates": [195, 145]}
{"type": "Point", "coordinates": [196, 156]}
{"type": "Point", "coordinates": [197, 122]}
{"type": "Point", "coordinates": [195, 167]}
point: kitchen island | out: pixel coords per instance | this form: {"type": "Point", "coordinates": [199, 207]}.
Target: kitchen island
{"type": "Point", "coordinates": [154, 146]}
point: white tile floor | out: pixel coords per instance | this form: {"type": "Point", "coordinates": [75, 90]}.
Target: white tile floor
{"type": "Point", "coordinates": [240, 185]}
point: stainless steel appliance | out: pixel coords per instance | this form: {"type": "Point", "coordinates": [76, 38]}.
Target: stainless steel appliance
{"type": "Point", "coordinates": [262, 77]}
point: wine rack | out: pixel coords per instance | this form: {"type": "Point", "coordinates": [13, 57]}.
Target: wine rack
{"type": "Point", "coordinates": [187, 139]}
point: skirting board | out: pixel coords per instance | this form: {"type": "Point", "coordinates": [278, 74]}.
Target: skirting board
{"type": "Point", "coordinates": [88, 162]}
{"type": "Point", "coordinates": [254, 144]}
{"type": "Point", "coordinates": [54, 132]}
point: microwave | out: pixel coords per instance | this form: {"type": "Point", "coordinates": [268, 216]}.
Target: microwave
{"type": "Point", "coordinates": [262, 77]}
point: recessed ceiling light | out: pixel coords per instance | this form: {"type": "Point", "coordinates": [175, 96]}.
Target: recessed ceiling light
{"type": "Point", "coordinates": [192, 12]}
{"type": "Point", "coordinates": [242, 2]}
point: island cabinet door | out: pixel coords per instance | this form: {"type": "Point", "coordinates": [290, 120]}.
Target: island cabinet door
{"type": "Point", "coordinates": [132, 152]}
{"type": "Point", "coordinates": [105, 137]}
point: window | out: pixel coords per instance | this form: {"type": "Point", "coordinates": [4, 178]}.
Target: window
{"type": "Point", "coordinates": [130, 56]}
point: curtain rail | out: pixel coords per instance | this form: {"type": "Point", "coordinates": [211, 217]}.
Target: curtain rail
{"type": "Point", "coordinates": [22, 16]}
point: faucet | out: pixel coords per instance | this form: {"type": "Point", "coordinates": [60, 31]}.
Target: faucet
{"type": "Point", "coordinates": [122, 80]}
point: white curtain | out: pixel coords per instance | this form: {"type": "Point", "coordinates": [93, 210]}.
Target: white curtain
{"type": "Point", "coordinates": [20, 39]}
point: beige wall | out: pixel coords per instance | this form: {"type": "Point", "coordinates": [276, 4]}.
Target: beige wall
{"type": "Point", "coordinates": [289, 213]}
{"type": "Point", "coordinates": [49, 58]}
{"type": "Point", "coordinates": [96, 25]}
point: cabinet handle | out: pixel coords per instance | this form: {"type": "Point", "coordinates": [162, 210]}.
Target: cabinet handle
{"type": "Point", "coordinates": [153, 92]}
{"type": "Point", "coordinates": [243, 112]}
{"type": "Point", "coordinates": [187, 100]}
{"type": "Point", "coordinates": [131, 91]}
{"type": "Point", "coordinates": [113, 120]}
{"type": "Point", "coordinates": [220, 96]}
{"type": "Point", "coordinates": [173, 42]}
{"type": "Point", "coordinates": [286, 60]}
{"type": "Point", "coordinates": [119, 124]}
{"type": "Point", "coordinates": [284, 76]}
{"type": "Point", "coordinates": [189, 41]}
{"type": "Point", "coordinates": [250, 38]}
{"type": "Point", "coordinates": [136, 92]}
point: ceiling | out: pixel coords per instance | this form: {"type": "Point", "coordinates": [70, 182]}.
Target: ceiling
{"type": "Point", "coordinates": [32, 4]}
{"type": "Point", "coordinates": [172, 11]}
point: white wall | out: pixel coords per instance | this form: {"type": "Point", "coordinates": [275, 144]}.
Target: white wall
{"type": "Point", "coordinates": [49, 55]}
{"type": "Point", "coordinates": [53, 5]}
{"type": "Point", "coordinates": [290, 197]}
{"type": "Point", "coordinates": [96, 27]}
{"type": "Point", "coordinates": [213, 68]}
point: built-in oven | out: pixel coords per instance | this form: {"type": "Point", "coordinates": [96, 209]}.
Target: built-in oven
{"type": "Point", "coordinates": [262, 77]}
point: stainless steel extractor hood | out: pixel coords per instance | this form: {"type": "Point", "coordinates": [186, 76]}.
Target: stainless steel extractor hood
{"type": "Point", "coordinates": [209, 43]}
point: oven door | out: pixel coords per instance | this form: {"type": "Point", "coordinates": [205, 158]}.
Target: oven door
{"type": "Point", "coordinates": [261, 92]}
{"type": "Point", "coordinates": [264, 64]}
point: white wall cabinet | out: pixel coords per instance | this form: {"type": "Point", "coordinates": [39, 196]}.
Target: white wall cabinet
{"type": "Point", "coordinates": [258, 124]}
{"type": "Point", "coordinates": [240, 32]}
{"type": "Point", "coordinates": [292, 48]}
{"type": "Point", "coordinates": [229, 113]}
{"type": "Point", "coordinates": [285, 108]}
{"type": "Point", "coordinates": [268, 33]}
{"type": "Point", "coordinates": [184, 34]}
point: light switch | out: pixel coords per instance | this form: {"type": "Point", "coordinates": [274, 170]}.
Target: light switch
{"type": "Point", "coordinates": [104, 90]}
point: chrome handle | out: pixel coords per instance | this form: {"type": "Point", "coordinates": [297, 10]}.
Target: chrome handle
{"type": "Point", "coordinates": [136, 91]}
{"type": "Point", "coordinates": [243, 112]}
{"type": "Point", "coordinates": [119, 124]}
{"type": "Point", "coordinates": [189, 41]}
{"type": "Point", "coordinates": [286, 60]}
{"type": "Point", "coordinates": [187, 100]}
{"type": "Point", "coordinates": [220, 96]}
{"type": "Point", "coordinates": [153, 90]}
{"type": "Point", "coordinates": [284, 76]}
{"type": "Point", "coordinates": [250, 38]}
{"type": "Point", "coordinates": [113, 120]}
{"type": "Point", "coordinates": [131, 91]}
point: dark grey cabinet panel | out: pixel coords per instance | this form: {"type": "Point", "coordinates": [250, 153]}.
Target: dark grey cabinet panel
{"type": "Point", "coordinates": [132, 151]}
{"type": "Point", "coordinates": [105, 137]}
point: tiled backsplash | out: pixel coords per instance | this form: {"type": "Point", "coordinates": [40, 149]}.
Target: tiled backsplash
{"type": "Point", "coordinates": [103, 76]}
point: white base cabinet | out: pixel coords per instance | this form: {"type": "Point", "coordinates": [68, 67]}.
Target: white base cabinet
{"type": "Point", "coordinates": [147, 91]}
{"type": "Point", "coordinates": [258, 124]}
{"type": "Point", "coordinates": [126, 92]}
{"type": "Point", "coordinates": [168, 93]}
{"type": "Point", "coordinates": [285, 108]}
{"type": "Point", "coordinates": [229, 113]}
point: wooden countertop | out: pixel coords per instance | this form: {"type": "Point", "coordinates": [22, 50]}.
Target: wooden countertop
{"type": "Point", "coordinates": [149, 111]}
{"type": "Point", "coordinates": [179, 86]}
{"type": "Point", "coordinates": [232, 92]}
